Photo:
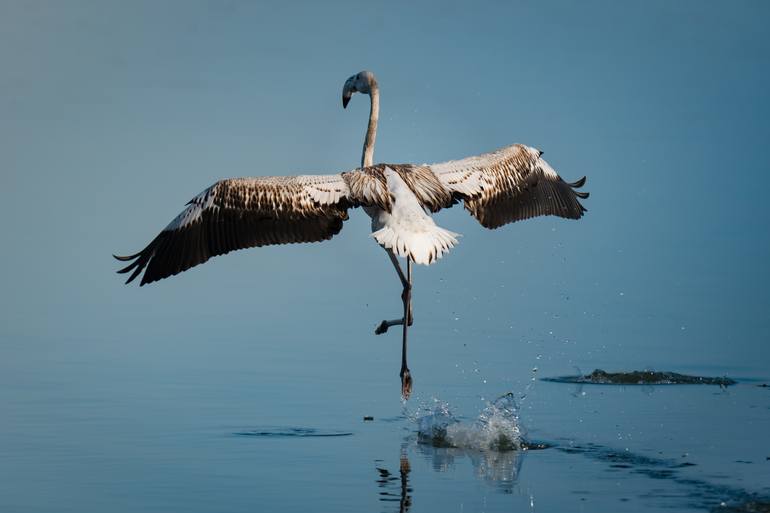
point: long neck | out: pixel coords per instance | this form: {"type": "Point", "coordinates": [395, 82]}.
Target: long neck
{"type": "Point", "coordinates": [367, 158]}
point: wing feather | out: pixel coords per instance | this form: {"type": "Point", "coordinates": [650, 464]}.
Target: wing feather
{"type": "Point", "coordinates": [510, 184]}
{"type": "Point", "coordinates": [368, 187]}
{"type": "Point", "coordinates": [241, 213]}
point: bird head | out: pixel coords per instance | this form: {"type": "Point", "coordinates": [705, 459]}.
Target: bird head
{"type": "Point", "coordinates": [362, 82]}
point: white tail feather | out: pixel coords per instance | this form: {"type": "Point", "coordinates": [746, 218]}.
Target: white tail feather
{"type": "Point", "coordinates": [422, 247]}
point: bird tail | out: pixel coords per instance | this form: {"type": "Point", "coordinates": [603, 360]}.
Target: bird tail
{"type": "Point", "coordinates": [424, 247]}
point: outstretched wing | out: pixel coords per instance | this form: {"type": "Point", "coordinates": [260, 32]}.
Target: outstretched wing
{"type": "Point", "coordinates": [510, 184]}
{"type": "Point", "coordinates": [241, 213]}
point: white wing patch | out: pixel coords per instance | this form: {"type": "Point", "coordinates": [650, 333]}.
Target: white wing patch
{"type": "Point", "coordinates": [547, 169]}
{"type": "Point", "coordinates": [319, 189]}
{"type": "Point", "coordinates": [325, 190]}
{"type": "Point", "coordinates": [473, 175]}
{"type": "Point", "coordinates": [193, 212]}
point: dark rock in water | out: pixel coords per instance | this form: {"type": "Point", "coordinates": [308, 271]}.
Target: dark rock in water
{"type": "Point", "coordinates": [600, 377]}
{"type": "Point", "coordinates": [746, 507]}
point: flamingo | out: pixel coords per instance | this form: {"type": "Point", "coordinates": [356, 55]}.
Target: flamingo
{"type": "Point", "coordinates": [507, 185]}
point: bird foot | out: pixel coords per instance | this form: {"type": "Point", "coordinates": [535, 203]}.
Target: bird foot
{"type": "Point", "coordinates": [406, 384]}
{"type": "Point", "coordinates": [384, 325]}
{"type": "Point", "coordinates": [382, 328]}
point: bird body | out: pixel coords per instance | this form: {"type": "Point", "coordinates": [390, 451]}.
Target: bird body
{"type": "Point", "coordinates": [406, 229]}
{"type": "Point", "coordinates": [511, 184]}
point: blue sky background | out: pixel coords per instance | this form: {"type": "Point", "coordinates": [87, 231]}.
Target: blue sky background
{"type": "Point", "coordinates": [114, 114]}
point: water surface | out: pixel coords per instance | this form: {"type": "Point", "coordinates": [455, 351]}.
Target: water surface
{"type": "Point", "coordinates": [84, 431]}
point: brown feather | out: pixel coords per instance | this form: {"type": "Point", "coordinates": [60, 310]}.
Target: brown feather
{"type": "Point", "coordinates": [243, 213]}
{"type": "Point", "coordinates": [510, 184]}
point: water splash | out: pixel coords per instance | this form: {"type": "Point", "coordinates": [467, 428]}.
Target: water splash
{"type": "Point", "coordinates": [495, 429]}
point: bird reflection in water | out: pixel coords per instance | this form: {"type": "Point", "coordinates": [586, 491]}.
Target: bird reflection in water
{"type": "Point", "coordinates": [390, 482]}
{"type": "Point", "coordinates": [499, 469]}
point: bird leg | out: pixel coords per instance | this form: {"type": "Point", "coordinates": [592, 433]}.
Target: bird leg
{"type": "Point", "coordinates": [384, 325]}
{"type": "Point", "coordinates": [406, 377]}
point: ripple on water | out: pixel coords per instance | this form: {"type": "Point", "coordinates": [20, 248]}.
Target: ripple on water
{"type": "Point", "coordinates": [290, 432]}
{"type": "Point", "coordinates": [702, 494]}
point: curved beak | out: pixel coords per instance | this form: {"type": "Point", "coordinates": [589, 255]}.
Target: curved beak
{"type": "Point", "coordinates": [347, 92]}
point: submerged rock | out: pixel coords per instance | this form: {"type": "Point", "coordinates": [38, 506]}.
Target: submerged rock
{"type": "Point", "coordinates": [647, 377]}
{"type": "Point", "coordinates": [758, 506]}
